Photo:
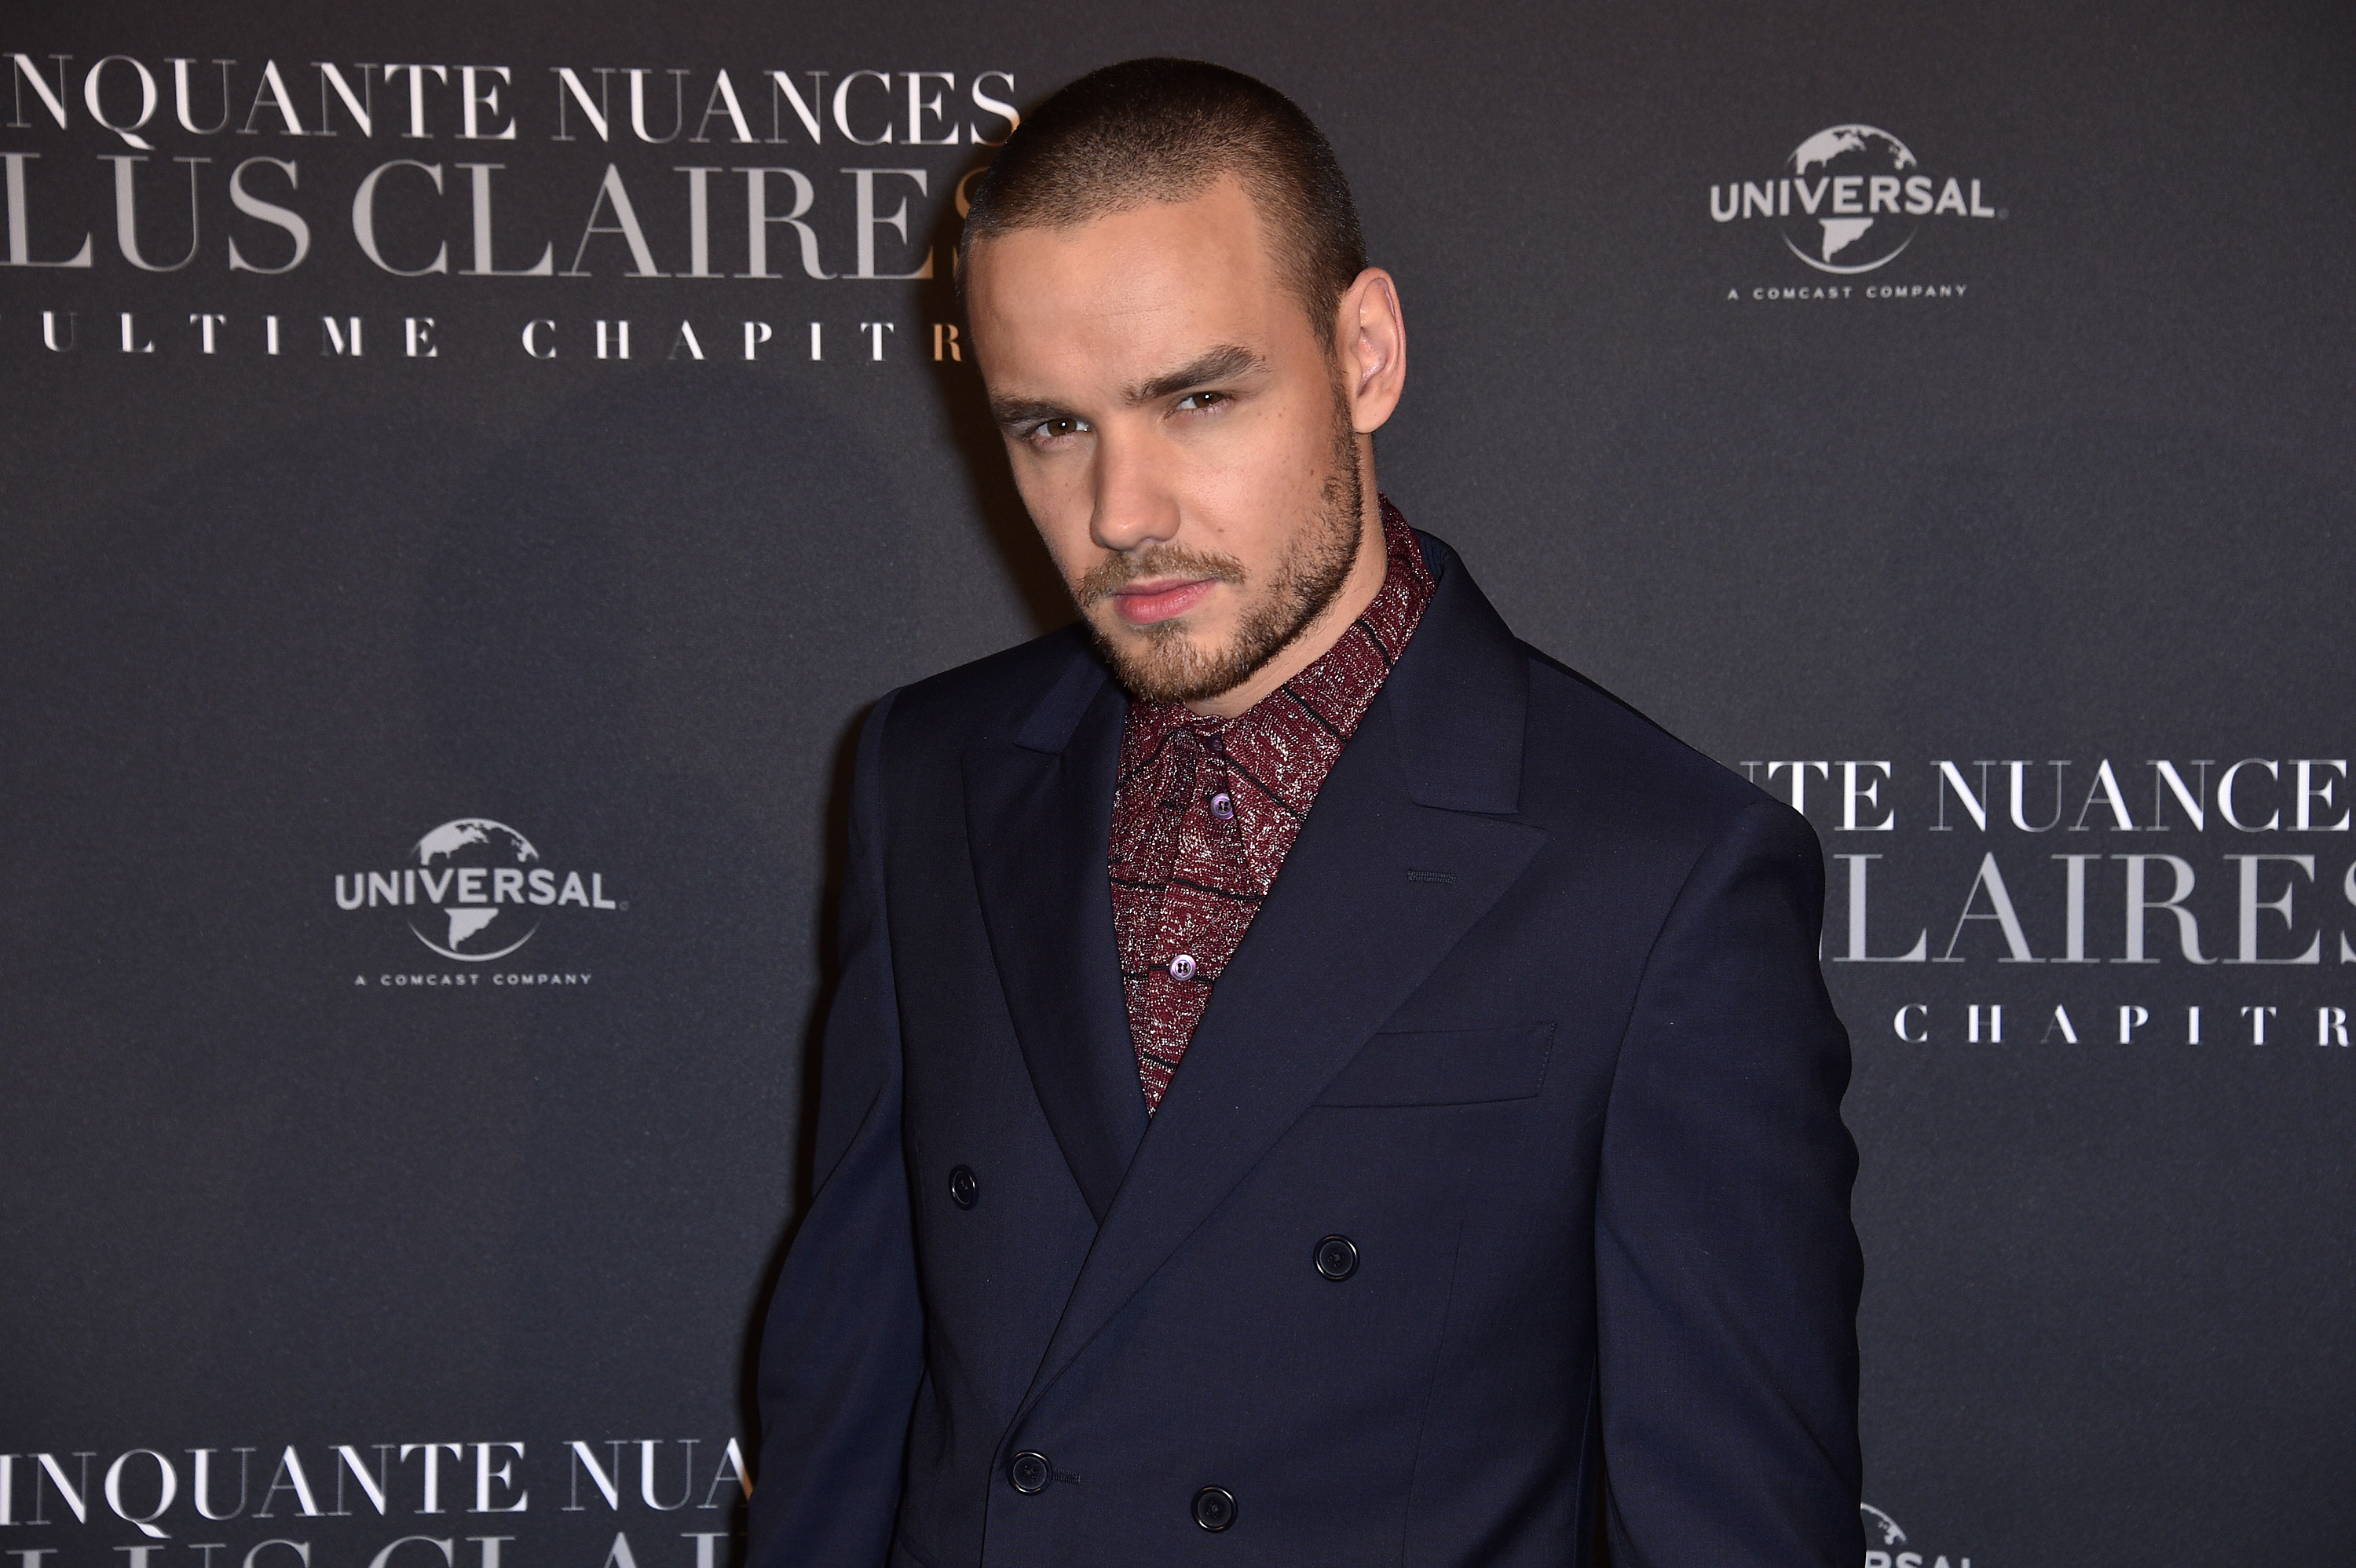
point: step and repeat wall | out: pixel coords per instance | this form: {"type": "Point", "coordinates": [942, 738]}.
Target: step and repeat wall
{"type": "Point", "coordinates": [466, 470]}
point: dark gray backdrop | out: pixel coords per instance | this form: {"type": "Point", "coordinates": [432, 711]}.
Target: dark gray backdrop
{"type": "Point", "coordinates": [2078, 494]}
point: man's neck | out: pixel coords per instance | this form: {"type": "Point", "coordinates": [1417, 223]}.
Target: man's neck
{"type": "Point", "coordinates": [1358, 591]}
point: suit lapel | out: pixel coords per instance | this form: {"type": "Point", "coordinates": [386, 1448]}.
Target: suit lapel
{"type": "Point", "coordinates": [1039, 819]}
{"type": "Point", "coordinates": [1380, 885]}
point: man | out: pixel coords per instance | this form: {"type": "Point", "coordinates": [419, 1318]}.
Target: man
{"type": "Point", "coordinates": [1313, 1081]}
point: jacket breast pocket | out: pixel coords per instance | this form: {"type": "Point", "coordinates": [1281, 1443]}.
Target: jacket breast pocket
{"type": "Point", "coordinates": [1446, 1067]}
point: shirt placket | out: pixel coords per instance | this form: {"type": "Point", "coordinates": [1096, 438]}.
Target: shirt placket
{"type": "Point", "coordinates": [1206, 904]}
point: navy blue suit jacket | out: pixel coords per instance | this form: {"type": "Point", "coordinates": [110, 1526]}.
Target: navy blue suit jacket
{"type": "Point", "coordinates": [1532, 1016]}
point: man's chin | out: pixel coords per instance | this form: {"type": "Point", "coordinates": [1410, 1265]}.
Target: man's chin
{"type": "Point", "coordinates": [1170, 661]}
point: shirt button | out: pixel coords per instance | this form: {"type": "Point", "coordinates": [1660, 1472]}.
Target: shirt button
{"type": "Point", "coordinates": [1182, 967]}
{"type": "Point", "coordinates": [1215, 1509]}
{"type": "Point", "coordinates": [1223, 806]}
{"type": "Point", "coordinates": [1029, 1473]}
{"type": "Point", "coordinates": [1337, 1257]}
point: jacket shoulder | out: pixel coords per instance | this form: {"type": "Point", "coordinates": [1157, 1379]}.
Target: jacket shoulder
{"type": "Point", "coordinates": [990, 699]}
{"type": "Point", "coordinates": [1593, 756]}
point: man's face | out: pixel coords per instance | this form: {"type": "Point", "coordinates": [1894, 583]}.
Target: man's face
{"type": "Point", "coordinates": [1181, 433]}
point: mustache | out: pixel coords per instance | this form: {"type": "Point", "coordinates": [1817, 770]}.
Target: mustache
{"type": "Point", "coordinates": [1115, 572]}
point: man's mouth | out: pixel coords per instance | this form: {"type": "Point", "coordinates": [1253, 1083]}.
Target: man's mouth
{"type": "Point", "coordinates": [1159, 599]}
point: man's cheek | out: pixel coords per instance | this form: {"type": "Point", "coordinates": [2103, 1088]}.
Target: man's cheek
{"type": "Point", "coordinates": [1065, 527]}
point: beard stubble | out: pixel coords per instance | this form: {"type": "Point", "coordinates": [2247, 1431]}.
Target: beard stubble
{"type": "Point", "coordinates": [1164, 663]}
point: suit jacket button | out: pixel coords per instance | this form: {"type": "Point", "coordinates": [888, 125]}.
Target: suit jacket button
{"type": "Point", "coordinates": [1029, 1473]}
{"type": "Point", "coordinates": [1215, 1509]}
{"type": "Point", "coordinates": [1337, 1257]}
{"type": "Point", "coordinates": [964, 1189]}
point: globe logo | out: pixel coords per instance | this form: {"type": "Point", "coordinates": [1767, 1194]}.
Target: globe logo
{"type": "Point", "coordinates": [1883, 1540]}
{"type": "Point", "coordinates": [1848, 185]}
{"type": "Point", "coordinates": [479, 865]}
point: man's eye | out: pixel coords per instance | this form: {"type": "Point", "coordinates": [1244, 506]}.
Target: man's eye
{"type": "Point", "coordinates": [1203, 400]}
{"type": "Point", "coordinates": [1053, 430]}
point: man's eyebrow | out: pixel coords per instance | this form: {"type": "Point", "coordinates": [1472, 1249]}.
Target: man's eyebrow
{"type": "Point", "coordinates": [1010, 411]}
{"type": "Point", "coordinates": [1225, 363]}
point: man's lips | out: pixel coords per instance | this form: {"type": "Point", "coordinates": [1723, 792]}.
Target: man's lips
{"type": "Point", "coordinates": [1164, 598]}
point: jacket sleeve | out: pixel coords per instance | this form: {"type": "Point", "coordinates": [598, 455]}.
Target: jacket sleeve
{"type": "Point", "coordinates": [1727, 1269]}
{"type": "Point", "coordinates": [842, 1351]}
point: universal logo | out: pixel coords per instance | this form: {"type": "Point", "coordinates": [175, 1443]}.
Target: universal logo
{"type": "Point", "coordinates": [1886, 1545]}
{"type": "Point", "coordinates": [477, 891]}
{"type": "Point", "coordinates": [1851, 199]}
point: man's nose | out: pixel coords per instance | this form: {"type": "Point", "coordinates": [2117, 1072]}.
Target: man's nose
{"type": "Point", "coordinates": [1135, 503]}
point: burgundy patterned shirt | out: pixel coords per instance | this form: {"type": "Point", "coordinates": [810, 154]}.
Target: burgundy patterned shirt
{"type": "Point", "coordinates": [1208, 808]}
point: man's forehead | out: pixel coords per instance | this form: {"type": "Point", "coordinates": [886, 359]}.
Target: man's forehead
{"type": "Point", "coordinates": [1126, 290]}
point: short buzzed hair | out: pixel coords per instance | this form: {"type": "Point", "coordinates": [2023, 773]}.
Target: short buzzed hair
{"type": "Point", "coordinates": [1148, 130]}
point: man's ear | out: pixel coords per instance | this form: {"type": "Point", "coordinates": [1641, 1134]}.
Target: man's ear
{"type": "Point", "coordinates": [1370, 349]}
